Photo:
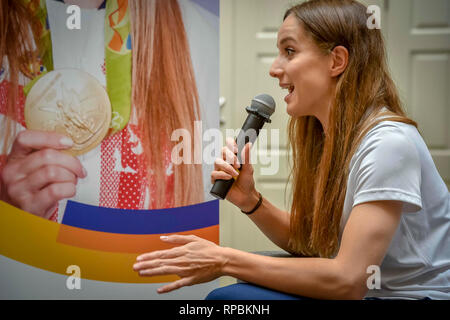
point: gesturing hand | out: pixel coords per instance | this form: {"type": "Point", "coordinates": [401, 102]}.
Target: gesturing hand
{"type": "Point", "coordinates": [194, 260]}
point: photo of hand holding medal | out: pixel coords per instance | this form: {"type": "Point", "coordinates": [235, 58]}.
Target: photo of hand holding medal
{"type": "Point", "coordinates": [95, 89]}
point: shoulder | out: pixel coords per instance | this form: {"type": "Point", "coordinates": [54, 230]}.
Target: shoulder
{"type": "Point", "coordinates": [387, 130]}
{"type": "Point", "coordinates": [387, 166]}
{"type": "Point", "coordinates": [389, 141]}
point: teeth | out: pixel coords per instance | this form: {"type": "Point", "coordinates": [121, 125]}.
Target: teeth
{"type": "Point", "coordinates": [288, 87]}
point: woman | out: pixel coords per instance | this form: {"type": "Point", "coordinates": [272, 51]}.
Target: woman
{"type": "Point", "coordinates": [366, 192]}
{"type": "Point", "coordinates": [131, 168]}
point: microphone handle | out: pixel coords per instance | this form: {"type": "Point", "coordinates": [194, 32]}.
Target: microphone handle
{"type": "Point", "coordinates": [249, 132]}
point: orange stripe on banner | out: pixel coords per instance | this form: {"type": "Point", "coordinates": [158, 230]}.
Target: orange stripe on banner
{"type": "Point", "coordinates": [34, 241]}
{"type": "Point", "coordinates": [120, 12]}
{"type": "Point", "coordinates": [116, 42]}
{"type": "Point", "coordinates": [123, 6]}
{"type": "Point", "coordinates": [125, 243]}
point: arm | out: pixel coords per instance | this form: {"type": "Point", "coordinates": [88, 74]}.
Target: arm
{"type": "Point", "coordinates": [365, 240]}
{"type": "Point", "coordinates": [272, 221]}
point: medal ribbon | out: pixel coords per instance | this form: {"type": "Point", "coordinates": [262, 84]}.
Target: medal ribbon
{"type": "Point", "coordinates": [117, 56]}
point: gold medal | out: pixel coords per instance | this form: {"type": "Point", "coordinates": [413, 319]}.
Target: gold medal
{"type": "Point", "coordinates": [70, 102]}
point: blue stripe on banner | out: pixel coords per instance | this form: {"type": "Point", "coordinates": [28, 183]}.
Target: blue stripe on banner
{"type": "Point", "coordinates": [156, 221]}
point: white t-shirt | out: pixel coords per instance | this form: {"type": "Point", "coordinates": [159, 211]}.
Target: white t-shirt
{"type": "Point", "coordinates": [393, 163]}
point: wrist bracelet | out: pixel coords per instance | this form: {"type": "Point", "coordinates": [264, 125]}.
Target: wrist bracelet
{"type": "Point", "coordinates": [256, 207]}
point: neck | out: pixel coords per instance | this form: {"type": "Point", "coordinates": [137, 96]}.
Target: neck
{"type": "Point", "coordinates": [323, 111]}
{"type": "Point", "coordinates": [85, 4]}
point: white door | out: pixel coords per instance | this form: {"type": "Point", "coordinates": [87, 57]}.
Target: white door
{"type": "Point", "coordinates": [418, 34]}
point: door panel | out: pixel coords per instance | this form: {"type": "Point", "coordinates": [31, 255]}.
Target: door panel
{"type": "Point", "coordinates": [419, 50]}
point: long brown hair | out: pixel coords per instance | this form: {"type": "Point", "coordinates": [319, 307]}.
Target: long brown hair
{"type": "Point", "coordinates": [164, 92]}
{"type": "Point", "coordinates": [17, 46]}
{"type": "Point", "coordinates": [320, 165]}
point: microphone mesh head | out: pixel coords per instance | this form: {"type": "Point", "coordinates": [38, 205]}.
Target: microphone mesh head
{"type": "Point", "coordinates": [264, 103]}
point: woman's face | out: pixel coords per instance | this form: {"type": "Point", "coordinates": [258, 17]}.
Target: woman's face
{"type": "Point", "coordinates": [303, 70]}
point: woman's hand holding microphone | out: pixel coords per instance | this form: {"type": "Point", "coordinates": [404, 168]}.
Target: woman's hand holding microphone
{"type": "Point", "coordinates": [37, 175]}
{"type": "Point", "coordinates": [243, 193]}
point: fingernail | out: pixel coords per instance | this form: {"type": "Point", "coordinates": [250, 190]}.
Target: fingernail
{"type": "Point", "coordinates": [235, 172]}
{"type": "Point", "coordinates": [164, 237]}
{"type": "Point", "coordinates": [66, 141]}
{"type": "Point", "coordinates": [139, 258]}
{"type": "Point", "coordinates": [84, 172]}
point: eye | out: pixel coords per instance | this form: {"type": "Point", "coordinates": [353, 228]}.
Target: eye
{"type": "Point", "coordinates": [289, 51]}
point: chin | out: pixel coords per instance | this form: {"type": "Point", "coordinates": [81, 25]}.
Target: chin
{"type": "Point", "coordinates": [289, 112]}
{"type": "Point", "coordinates": [296, 111]}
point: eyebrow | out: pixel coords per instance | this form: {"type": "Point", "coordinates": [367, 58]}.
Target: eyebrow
{"type": "Point", "coordinates": [287, 39]}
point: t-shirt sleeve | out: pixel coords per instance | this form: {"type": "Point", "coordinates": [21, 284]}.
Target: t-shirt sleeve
{"type": "Point", "coordinates": [388, 168]}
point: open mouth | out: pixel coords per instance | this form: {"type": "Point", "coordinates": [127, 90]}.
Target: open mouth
{"type": "Point", "coordinates": [290, 89]}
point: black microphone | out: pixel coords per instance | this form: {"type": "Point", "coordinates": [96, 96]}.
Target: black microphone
{"type": "Point", "coordinates": [259, 112]}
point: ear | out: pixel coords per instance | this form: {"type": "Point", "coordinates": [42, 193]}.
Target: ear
{"type": "Point", "coordinates": [339, 60]}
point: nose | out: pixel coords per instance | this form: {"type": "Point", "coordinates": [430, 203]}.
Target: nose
{"type": "Point", "coordinates": [275, 69]}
